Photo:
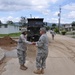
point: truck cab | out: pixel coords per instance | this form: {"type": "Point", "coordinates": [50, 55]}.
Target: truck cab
{"type": "Point", "coordinates": [33, 27]}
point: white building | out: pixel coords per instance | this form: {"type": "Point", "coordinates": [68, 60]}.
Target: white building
{"type": "Point", "coordinates": [9, 28]}
{"type": "Point", "coordinates": [68, 27]}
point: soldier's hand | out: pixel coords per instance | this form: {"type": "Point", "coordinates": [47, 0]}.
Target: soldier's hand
{"type": "Point", "coordinates": [33, 43]}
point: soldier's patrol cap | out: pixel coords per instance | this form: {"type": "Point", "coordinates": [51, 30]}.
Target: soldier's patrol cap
{"type": "Point", "coordinates": [43, 29]}
{"type": "Point", "coordinates": [23, 30]}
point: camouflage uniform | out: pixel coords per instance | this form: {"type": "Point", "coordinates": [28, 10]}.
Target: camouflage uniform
{"type": "Point", "coordinates": [52, 33]}
{"type": "Point", "coordinates": [21, 49]}
{"type": "Point", "coordinates": [42, 51]}
{"type": "Point", "coordinates": [21, 56]}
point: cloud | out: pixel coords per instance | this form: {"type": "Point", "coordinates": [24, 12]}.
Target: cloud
{"type": "Point", "coordinates": [70, 6]}
{"type": "Point", "coordinates": [56, 13]}
{"type": "Point", "coordinates": [14, 5]}
{"type": "Point", "coordinates": [10, 18]}
{"type": "Point", "coordinates": [54, 20]}
{"type": "Point", "coordinates": [68, 13]}
{"type": "Point", "coordinates": [71, 15]}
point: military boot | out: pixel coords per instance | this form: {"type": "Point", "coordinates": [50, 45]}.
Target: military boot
{"type": "Point", "coordinates": [22, 67]}
{"type": "Point", "coordinates": [42, 71]}
{"type": "Point", "coordinates": [25, 66]}
{"type": "Point", "coordinates": [38, 71]}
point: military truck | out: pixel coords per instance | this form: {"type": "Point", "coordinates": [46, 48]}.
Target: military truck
{"type": "Point", "coordinates": [33, 27]}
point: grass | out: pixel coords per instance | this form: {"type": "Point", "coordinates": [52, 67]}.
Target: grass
{"type": "Point", "coordinates": [70, 33]}
{"type": "Point", "coordinates": [2, 35]}
{"type": "Point", "coordinates": [73, 36]}
{"type": "Point", "coordinates": [11, 35]}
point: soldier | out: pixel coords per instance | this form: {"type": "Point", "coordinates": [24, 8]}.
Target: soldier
{"type": "Point", "coordinates": [21, 48]}
{"type": "Point", "coordinates": [42, 52]}
{"type": "Point", "coordinates": [52, 33]}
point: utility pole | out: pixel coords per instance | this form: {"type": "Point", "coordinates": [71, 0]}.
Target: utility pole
{"type": "Point", "coordinates": [59, 17]}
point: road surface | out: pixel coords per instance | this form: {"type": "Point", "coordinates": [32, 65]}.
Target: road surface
{"type": "Point", "coordinates": [60, 61]}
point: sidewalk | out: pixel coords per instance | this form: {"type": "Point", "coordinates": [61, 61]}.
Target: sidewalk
{"type": "Point", "coordinates": [2, 55]}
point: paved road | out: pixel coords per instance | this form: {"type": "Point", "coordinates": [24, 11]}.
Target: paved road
{"type": "Point", "coordinates": [60, 61]}
{"type": "Point", "coordinates": [2, 55]}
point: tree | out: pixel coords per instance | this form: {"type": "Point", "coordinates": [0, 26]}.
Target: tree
{"type": "Point", "coordinates": [0, 22]}
{"type": "Point", "coordinates": [47, 28]}
{"type": "Point", "coordinates": [23, 21]}
{"type": "Point", "coordinates": [56, 30]}
{"type": "Point", "coordinates": [73, 25]}
{"type": "Point", "coordinates": [54, 26]}
{"type": "Point", "coordinates": [9, 22]}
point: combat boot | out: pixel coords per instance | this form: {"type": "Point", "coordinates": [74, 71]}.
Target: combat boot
{"type": "Point", "coordinates": [25, 66]}
{"type": "Point", "coordinates": [42, 71]}
{"type": "Point", "coordinates": [22, 67]}
{"type": "Point", "coordinates": [38, 71]}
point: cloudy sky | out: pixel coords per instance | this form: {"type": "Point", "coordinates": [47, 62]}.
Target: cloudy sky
{"type": "Point", "coordinates": [47, 9]}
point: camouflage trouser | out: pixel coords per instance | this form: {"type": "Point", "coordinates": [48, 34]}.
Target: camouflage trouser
{"type": "Point", "coordinates": [41, 60]}
{"type": "Point", "coordinates": [52, 37]}
{"type": "Point", "coordinates": [21, 56]}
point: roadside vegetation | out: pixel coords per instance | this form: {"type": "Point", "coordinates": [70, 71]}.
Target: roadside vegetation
{"type": "Point", "coordinates": [11, 35]}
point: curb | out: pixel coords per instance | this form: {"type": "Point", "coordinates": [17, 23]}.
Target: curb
{"type": "Point", "coordinates": [2, 55]}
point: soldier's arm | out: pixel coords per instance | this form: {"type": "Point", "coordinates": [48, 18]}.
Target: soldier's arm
{"type": "Point", "coordinates": [24, 40]}
{"type": "Point", "coordinates": [41, 42]}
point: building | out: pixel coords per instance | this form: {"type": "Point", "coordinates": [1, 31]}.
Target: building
{"type": "Point", "coordinates": [67, 27]}
{"type": "Point", "coordinates": [9, 28]}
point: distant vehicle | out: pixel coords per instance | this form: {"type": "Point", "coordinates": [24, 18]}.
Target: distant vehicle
{"type": "Point", "coordinates": [33, 27]}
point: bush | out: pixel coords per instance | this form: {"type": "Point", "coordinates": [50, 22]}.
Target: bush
{"type": "Point", "coordinates": [56, 30]}
{"type": "Point", "coordinates": [47, 28]}
{"type": "Point", "coordinates": [63, 32]}
{"type": "Point", "coordinates": [73, 36]}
